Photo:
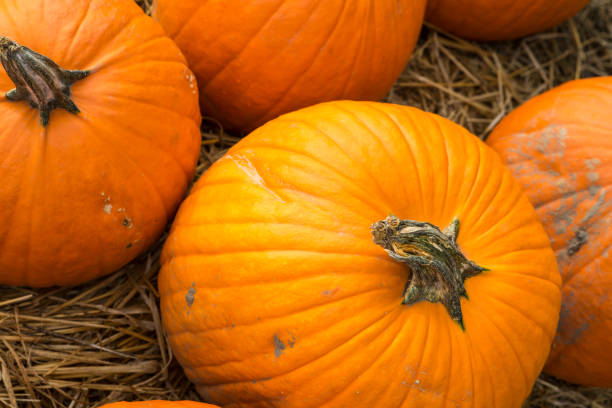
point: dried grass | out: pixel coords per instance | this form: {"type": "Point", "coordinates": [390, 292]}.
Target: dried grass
{"type": "Point", "coordinates": [102, 341]}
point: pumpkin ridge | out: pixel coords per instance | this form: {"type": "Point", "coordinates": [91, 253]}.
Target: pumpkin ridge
{"type": "Point", "coordinates": [204, 86]}
{"type": "Point", "coordinates": [493, 272]}
{"type": "Point", "coordinates": [76, 31]}
{"type": "Point", "coordinates": [335, 347]}
{"type": "Point", "coordinates": [427, 343]}
{"type": "Point", "coordinates": [284, 223]}
{"type": "Point", "coordinates": [365, 197]}
{"type": "Point", "coordinates": [324, 302]}
{"type": "Point", "coordinates": [286, 93]}
{"type": "Point", "coordinates": [511, 210]}
{"type": "Point", "coordinates": [295, 191]}
{"type": "Point", "coordinates": [313, 276]}
{"type": "Point", "coordinates": [384, 350]}
{"type": "Point", "coordinates": [14, 147]}
{"type": "Point", "coordinates": [493, 326]}
{"type": "Point", "coordinates": [518, 311]}
{"type": "Point", "coordinates": [110, 52]}
{"type": "Point", "coordinates": [374, 137]}
{"type": "Point", "coordinates": [364, 169]}
{"type": "Point", "coordinates": [186, 23]}
{"type": "Point", "coordinates": [476, 352]}
{"type": "Point", "coordinates": [409, 147]}
{"type": "Point", "coordinates": [116, 58]}
{"type": "Point", "coordinates": [151, 141]}
{"type": "Point", "coordinates": [483, 181]}
{"type": "Point", "coordinates": [358, 51]}
{"type": "Point", "coordinates": [444, 138]}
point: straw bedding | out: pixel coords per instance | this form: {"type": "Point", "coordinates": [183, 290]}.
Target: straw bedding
{"type": "Point", "coordinates": [103, 341]}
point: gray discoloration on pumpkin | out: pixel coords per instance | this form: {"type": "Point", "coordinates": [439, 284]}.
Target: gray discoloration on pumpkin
{"type": "Point", "coordinates": [585, 228]}
{"type": "Point", "coordinates": [190, 296]}
{"type": "Point", "coordinates": [581, 237]}
{"type": "Point", "coordinates": [592, 176]}
{"type": "Point", "coordinates": [591, 164]}
{"type": "Point", "coordinates": [551, 143]}
{"type": "Point", "coordinates": [553, 138]}
{"type": "Point", "coordinates": [279, 346]}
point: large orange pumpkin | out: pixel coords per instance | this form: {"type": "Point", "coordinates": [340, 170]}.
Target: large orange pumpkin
{"type": "Point", "coordinates": [559, 146]}
{"type": "Point", "coordinates": [256, 59]}
{"type": "Point", "coordinates": [500, 19]}
{"type": "Point", "coordinates": [318, 264]}
{"type": "Point", "coordinates": [84, 193]}
{"type": "Point", "coordinates": [159, 404]}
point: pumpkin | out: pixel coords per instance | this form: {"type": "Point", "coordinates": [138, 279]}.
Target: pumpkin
{"type": "Point", "coordinates": [256, 59]}
{"type": "Point", "coordinates": [493, 20]}
{"type": "Point", "coordinates": [99, 137]}
{"type": "Point", "coordinates": [559, 146]}
{"type": "Point", "coordinates": [359, 254]}
{"type": "Point", "coordinates": [159, 404]}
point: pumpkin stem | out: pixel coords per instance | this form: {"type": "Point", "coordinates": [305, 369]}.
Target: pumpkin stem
{"type": "Point", "coordinates": [37, 79]}
{"type": "Point", "coordinates": [438, 267]}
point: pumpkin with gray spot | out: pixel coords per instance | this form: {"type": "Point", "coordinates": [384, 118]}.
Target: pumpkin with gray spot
{"type": "Point", "coordinates": [559, 146]}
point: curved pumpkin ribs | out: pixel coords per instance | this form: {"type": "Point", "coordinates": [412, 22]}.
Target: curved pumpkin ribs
{"type": "Point", "coordinates": [38, 80]}
{"type": "Point", "coordinates": [438, 266]}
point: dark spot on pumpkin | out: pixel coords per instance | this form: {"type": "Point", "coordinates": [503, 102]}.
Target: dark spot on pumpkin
{"type": "Point", "coordinates": [291, 341]}
{"type": "Point", "coordinates": [127, 222]}
{"type": "Point", "coordinates": [128, 246]}
{"type": "Point", "coordinates": [330, 292]}
{"type": "Point", "coordinates": [279, 346]}
{"type": "Point", "coordinates": [580, 238]}
{"type": "Point", "coordinates": [190, 296]}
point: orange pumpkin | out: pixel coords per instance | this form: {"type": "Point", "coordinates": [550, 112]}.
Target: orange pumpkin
{"type": "Point", "coordinates": [84, 193]}
{"type": "Point", "coordinates": [159, 404]}
{"type": "Point", "coordinates": [256, 59]}
{"type": "Point", "coordinates": [491, 20]}
{"type": "Point", "coordinates": [559, 146]}
{"type": "Point", "coordinates": [286, 282]}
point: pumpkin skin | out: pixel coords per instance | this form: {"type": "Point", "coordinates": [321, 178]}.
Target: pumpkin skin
{"type": "Point", "coordinates": [494, 20]}
{"type": "Point", "coordinates": [273, 293]}
{"type": "Point", "coordinates": [256, 59]}
{"type": "Point", "coordinates": [159, 404]}
{"type": "Point", "coordinates": [87, 193]}
{"type": "Point", "coordinates": [559, 146]}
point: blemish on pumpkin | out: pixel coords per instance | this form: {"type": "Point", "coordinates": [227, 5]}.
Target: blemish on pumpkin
{"type": "Point", "coordinates": [108, 207]}
{"type": "Point", "coordinates": [250, 170]}
{"type": "Point", "coordinates": [190, 296]}
{"type": "Point", "coordinates": [592, 176]}
{"type": "Point", "coordinates": [591, 164]}
{"type": "Point", "coordinates": [581, 237]}
{"type": "Point", "coordinates": [330, 292]}
{"type": "Point", "coordinates": [127, 222]}
{"type": "Point", "coordinates": [291, 341]}
{"type": "Point", "coordinates": [128, 246]}
{"type": "Point", "coordinates": [279, 346]}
